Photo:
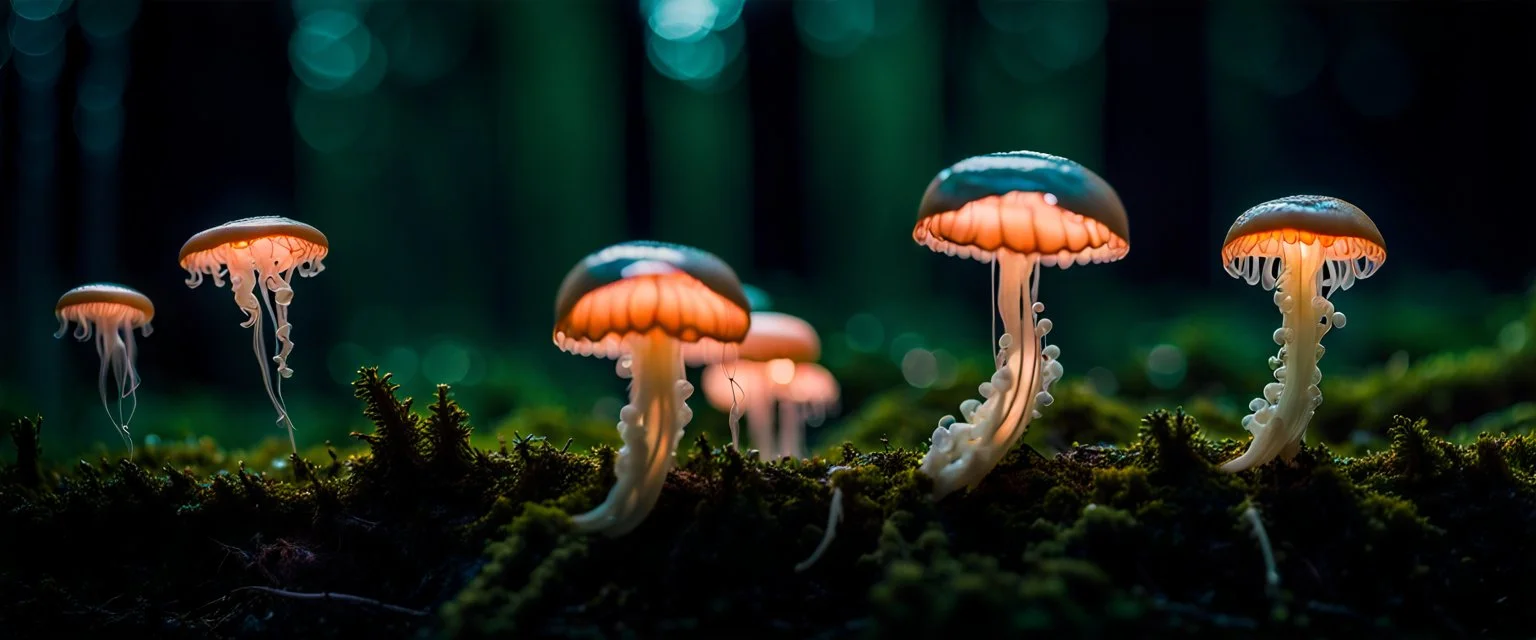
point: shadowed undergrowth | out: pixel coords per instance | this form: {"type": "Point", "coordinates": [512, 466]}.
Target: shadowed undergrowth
{"type": "Point", "coordinates": [1424, 538]}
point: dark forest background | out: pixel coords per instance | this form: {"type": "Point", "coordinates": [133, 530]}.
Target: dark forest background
{"type": "Point", "coordinates": [462, 155]}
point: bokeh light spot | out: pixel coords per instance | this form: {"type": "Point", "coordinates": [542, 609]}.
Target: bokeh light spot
{"type": "Point", "coordinates": [920, 368]}
{"type": "Point", "coordinates": [834, 28]}
{"type": "Point", "coordinates": [99, 130]}
{"type": "Point", "coordinates": [101, 87]}
{"type": "Point", "coordinates": [1103, 381]}
{"type": "Point", "coordinates": [865, 333]}
{"type": "Point", "coordinates": [697, 63]}
{"type": "Point", "coordinates": [1512, 337]}
{"type": "Point", "coordinates": [681, 20]}
{"type": "Point", "coordinates": [904, 343]}
{"type": "Point", "coordinates": [40, 69]}
{"type": "Point", "coordinates": [36, 10]}
{"type": "Point", "coordinates": [35, 37]}
{"type": "Point", "coordinates": [947, 369]}
{"type": "Point", "coordinates": [328, 48]}
{"type": "Point", "coordinates": [1165, 366]}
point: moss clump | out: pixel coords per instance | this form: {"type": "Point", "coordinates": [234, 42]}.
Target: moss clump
{"type": "Point", "coordinates": [1424, 539]}
{"type": "Point", "coordinates": [1078, 414]}
{"type": "Point", "coordinates": [164, 551]}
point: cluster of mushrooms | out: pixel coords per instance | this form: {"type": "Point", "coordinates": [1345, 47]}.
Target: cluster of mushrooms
{"type": "Point", "coordinates": [657, 308]}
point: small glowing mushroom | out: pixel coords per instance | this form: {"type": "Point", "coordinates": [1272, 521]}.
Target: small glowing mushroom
{"type": "Point", "coordinates": [261, 256]}
{"type": "Point", "coordinates": [813, 393]}
{"type": "Point", "coordinates": [1304, 248]}
{"type": "Point", "coordinates": [1020, 211]}
{"type": "Point", "coordinates": [110, 312]}
{"type": "Point", "coordinates": [776, 363]}
{"type": "Point", "coordinates": [639, 303]}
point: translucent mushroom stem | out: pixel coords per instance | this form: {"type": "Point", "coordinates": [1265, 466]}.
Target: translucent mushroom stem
{"type": "Point", "coordinates": [246, 284]}
{"type": "Point", "coordinates": [651, 426]}
{"type": "Point", "coordinates": [962, 453]}
{"type": "Point", "coordinates": [1280, 417]}
{"type": "Point", "coordinates": [115, 347]}
{"type": "Point", "coordinates": [760, 420]}
{"type": "Point", "coordinates": [791, 430]}
{"type": "Point", "coordinates": [112, 334]}
{"type": "Point", "coordinates": [1015, 303]}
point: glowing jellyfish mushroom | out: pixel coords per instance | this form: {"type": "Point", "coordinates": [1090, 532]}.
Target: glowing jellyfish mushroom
{"type": "Point", "coordinates": [1019, 210]}
{"type": "Point", "coordinates": [639, 303]}
{"type": "Point", "coordinates": [776, 363]}
{"type": "Point", "coordinates": [1304, 248]}
{"type": "Point", "coordinates": [110, 312]}
{"type": "Point", "coordinates": [260, 256]}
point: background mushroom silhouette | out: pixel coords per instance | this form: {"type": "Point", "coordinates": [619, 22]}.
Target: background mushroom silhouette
{"type": "Point", "coordinates": [1020, 211]}
{"type": "Point", "coordinates": [775, 364]}
{"type": "Point", "coordinates": [1305, 248]}
{"type": "Point", "coordinates": [639, 303]}
{"type": "Point", "coordinates": [110, 312]}
{"type": "Point", "coordinates": [261, 256]}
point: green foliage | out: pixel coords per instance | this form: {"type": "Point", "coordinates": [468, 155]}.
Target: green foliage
{"type": "Point", "coordinates": [1425, 538]}
{"type": "Point", "coordinates": [398, 436]}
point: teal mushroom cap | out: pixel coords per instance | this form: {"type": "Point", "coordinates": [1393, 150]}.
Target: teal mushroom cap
{"type": "Point", "coordinates": [1025, 202]}
{"type": "Point", "coordinates": [642, 286]}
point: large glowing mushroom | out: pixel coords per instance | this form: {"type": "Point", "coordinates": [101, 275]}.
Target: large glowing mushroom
{"type": "Point", "coordinates": [1304, 248]}
{"type": "Point", "coordinates": [639, 303]}
{"type": "Point", "coordinates": [1020, 211]}
{"type": "Point", "coordinates": [775, 364]}
{"type": "Point", "coordinates": [261, 256]}
{"type": "Point", "coordinates": [110, 312]}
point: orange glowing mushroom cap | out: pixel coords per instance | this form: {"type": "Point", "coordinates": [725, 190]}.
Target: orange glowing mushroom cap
{"type": "Point", "coordinates": [300, 239]}
{"type": "Point", "coordinates": [1027, 203]}
{"type": "Point", "coordinates": [640, 287]}
{"type": "Point", "coordinates": [813, 384]}
{"type": "Point", "coordinates": [101, 300]}
{"type": "Point", "coordinates": [773, 336]}
{"type": "Point", "coordinates": [1344, 231]}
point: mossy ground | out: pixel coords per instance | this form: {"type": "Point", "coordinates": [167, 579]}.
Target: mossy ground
{"type": "Point", "coordinates": [1423, 538]}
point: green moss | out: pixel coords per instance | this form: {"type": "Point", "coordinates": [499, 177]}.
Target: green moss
{"type": "Point", "coordinates": [908, 417]}
{"type": "Point", "coordinates": [1425, 538]}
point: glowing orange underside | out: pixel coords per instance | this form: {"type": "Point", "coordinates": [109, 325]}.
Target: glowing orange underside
{"type": "Point", "coordinates": [1020, 222]}
{"type": "Point", "coordinates": [675, 304]}
{"type": "Point", "coordinates": [1268, 243]}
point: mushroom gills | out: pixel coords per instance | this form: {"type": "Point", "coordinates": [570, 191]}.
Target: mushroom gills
{"type": "Point", "coordinates": [1302, 279]}
{"type": "Point", "coordinates": [651, 426]}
